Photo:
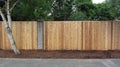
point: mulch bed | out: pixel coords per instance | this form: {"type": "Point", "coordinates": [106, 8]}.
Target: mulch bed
{"type": "Point", "coordinates": [58, 54]}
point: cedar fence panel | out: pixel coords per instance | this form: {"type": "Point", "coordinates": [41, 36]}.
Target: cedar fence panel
{"type": "Point", "coordinates": [81, 35]}
{"type": "Point", "coordinates": [24, 32]}
{"type": "Point", "coordinates": [65, 35]}
{"type": "Point", "coordinates": [116, 36]}
{"type": "Point", "coordinates": [97, 35]}
{"type": "Point", "coordinates": [0, 35]}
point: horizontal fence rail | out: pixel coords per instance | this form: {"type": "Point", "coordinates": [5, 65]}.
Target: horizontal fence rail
{"type": "Point", "coordinates": [81, 35]}
{"type": "Point", "coordinates": [24, 32]}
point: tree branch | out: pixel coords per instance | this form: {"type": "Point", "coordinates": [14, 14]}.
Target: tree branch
{"type": "Point", "coordinates": [8, 13]}
{"type": "Point", "coordinates": [53, 5]}
{"type": "Point", "coordinates": [2, 15]}
{"type": "Point", "coordinates": [14, 5]}
{"type": "Point", "coordinates": [9, 33]}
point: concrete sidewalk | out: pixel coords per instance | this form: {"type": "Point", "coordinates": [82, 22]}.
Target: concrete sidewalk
{"type": "Point", "coordinates": [6, 62]}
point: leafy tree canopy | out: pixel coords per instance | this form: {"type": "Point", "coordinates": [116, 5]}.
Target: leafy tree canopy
{"type": "Point", "coordinates": [65, 10]}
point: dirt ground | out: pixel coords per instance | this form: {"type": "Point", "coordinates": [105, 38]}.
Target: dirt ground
{"type": "Point", "coordinates": [58, 54]}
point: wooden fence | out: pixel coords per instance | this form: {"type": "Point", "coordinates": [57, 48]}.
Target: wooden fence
{"type": "Point", "coordinates": [65, 35]}
{"type": "Point", "coordinates": [82, 35]}
{"type": "Point", "coordinates": [24, 32]}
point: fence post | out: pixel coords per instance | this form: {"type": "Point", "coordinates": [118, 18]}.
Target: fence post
{"type": "Point", "coordinates": [40, 34]}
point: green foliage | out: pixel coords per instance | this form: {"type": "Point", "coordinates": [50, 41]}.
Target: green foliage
{"type": "Point", "coordinates": [84, 10]}
{"type": "Point", "coordinates": [104, 12]}
{"type": "Point", "coordinates": [116, 5]}
{"type": "Point", "coordinates": [32, 10]}
{"type": "Point", "coordinates": [65, 10]}
{"type": "Point", "coordinates": [78, 16]}
{"type": "Point", "coordinates": [62, 9]}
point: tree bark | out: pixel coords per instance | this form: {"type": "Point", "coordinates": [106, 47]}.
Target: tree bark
{"type": "Point", "coordinates": [8, 14]}
{"type": "Point", "coordinates": [9, 34]}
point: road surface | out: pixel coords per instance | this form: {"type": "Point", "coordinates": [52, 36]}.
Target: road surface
{"type": "Point", "coordinates": [6, 62]}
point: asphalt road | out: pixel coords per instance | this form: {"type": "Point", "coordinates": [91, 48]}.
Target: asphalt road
{"type": "Point", "coordinates": [6, 62]}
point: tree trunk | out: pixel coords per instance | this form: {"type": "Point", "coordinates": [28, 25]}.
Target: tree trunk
{"type": "Point", "coordinates": [11, 39]}
{"type": "Point", "coordinates": [9, 34]}
{"type": "Point", "coordinates": [8, 14]}
{"type": "Point", "coordinates": [9, 20]}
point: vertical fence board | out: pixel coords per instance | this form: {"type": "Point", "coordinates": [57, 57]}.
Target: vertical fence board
{"type": "Point", "coordinates": [5, 44]}
{"type": "Point", "coordinates": [24, 33]}
{"type": "Point", "coordinates": [0, 35]}
{"type": "Point", "coordinates": [14, 32]}
{"type": "Point", "coordinates": [87, 35]}
{"type": "Point", "coordinates": [34, 35]}
{"type": "Point", "coordinates": [101, 35]}
{"type": "Point", "coordinates": [108, 38]}
{"type": "Point", "coordinates": [116, 36]}
{"type": "Point", "coordinates": [2, 45]}
{"type": "Point", "coordinates": [49, 36]}
{"type": "Point", "coordinates": [55, 36]}
{"type": "Point", "coordinates": [77, 35]}
{"type": "Point", "coordinates": [18, 34]}
{"type": "Point", "coordinates": [66, 36]}
{"type": "Point", "coordinates": [73, 36]}
{"type": "Point", "coordinates": [59, 36]}
{"type": "Point", "coordinates": [23, 29]}
{"type": "Point", "coordinates": [45, 36]}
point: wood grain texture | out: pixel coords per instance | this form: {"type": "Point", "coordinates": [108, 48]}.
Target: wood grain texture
{"type": "Point", "coordinates": [0, 35]}
{"type": "Point", "coordinates": [62, 35]}
{"type": "Point", "coordinates": [34, 35]}
{"type": "Point", "coordinates": [54, 36]}
{"type": "Point", "coordinates": [101, 35]}
{"type": "Point", "coordinates": [44, 35]}
{"type": "Point", "coordinates": [24, 33]}
{"type": "Point", "coordinates": [87, 35]}
{"type": "Point", "coordinates": [73, 36]}
{"type": "Point", "coordinates": [78, 35]}
{"type": "Point", "coordinates": [116, 36]}
{"type": "Point", "coordinates": [66, 36]}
